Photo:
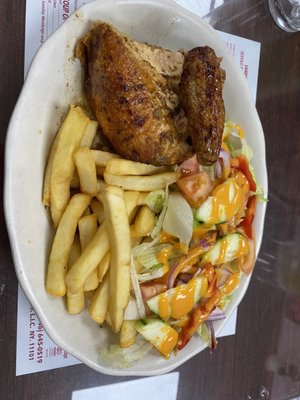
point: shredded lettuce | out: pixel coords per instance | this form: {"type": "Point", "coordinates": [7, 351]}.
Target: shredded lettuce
{"type": "Point", "coordinates": [158, 226]}
{"type": "Point", "coordinates": [137, 290]}
{"type": "Point", "coordinates": [148, 258]}
{"type": "Point", "coordinates": [125, 358]}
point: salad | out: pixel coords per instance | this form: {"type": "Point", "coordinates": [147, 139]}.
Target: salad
{"type": "Point", "coordinates": [184, 273]}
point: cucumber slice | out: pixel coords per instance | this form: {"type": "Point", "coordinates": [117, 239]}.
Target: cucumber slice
{"type": "Point", "coordinates": [160, 334]}
{"type": "Point", "coordinates": [224, 203]}
{"type": "Point", "coordinates": [177, 302]}
{"type": "Point", "coordinates": [227, 249]}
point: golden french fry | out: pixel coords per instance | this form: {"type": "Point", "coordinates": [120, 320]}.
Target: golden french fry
{"type": "Point", "coordinates": [126, 167]}
{"type": "Point", "coordinates": [131, 200]}
{"type": "Point", "coordinates": [75, 251]}
{"type": "Point", "coordinates": [48, 171]}
{"type": "Point", "coordinates": [99, 303]}
{"type": "Point", "coordinates": [144, 222]}
{"type": "Point", "coordinates": [142, 198]}
{"type": "Point", "coordinates": [141, 183]}
{"type": "Point", "coordinates": [87, 227]}
{"type": "Point", "coordinates": [69, 137]}
{"type": "Point", "coordinates": [98, 209]}
{"type": "Point", "coordinates": [103, 266]}
{"type": "Point", "coordinates": [75, 302]}
{"type": "Point", "coordinates": [108, 319]}
{"type": "Point", "coordinates": [55, 282]}
{"type": "Point", "coordinates": [89, 260]}
{"type": "Point", "coordinates": [127, 334]}
{"type": "Point", "coordinates": [89, 134]}
{"type": "Point", "coordinates": [101, 158]}
{"type": "Point", "coordinates": [119, 237]}
{"type": "Point", "coordinates": [86, 170]}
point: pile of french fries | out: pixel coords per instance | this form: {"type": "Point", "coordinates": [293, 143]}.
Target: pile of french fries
{"type": "Point", "coordinates": [98, 210]}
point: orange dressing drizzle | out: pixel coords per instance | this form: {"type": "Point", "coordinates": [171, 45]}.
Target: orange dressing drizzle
{"type": "Point", "coordinates": [181, 301]}
{"type": "Point", "coordinates": [169, 342]}
{"type": "Point", "coordinates": [163, 258]}
{"type": "Point", "coordinates": [221, 202]}
{"type": "Point", "coordinates": [230, 284]}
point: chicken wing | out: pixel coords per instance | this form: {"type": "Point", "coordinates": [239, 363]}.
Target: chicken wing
{"type": "Point", "coordinates": [200, 95]}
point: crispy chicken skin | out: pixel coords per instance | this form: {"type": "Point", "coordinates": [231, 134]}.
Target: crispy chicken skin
{"type": "Point", "coordinates": [131, 99]}
{"type": "Point", "coordinates": [200, 95]}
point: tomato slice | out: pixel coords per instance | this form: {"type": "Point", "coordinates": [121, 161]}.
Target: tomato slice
{"type": "Point", "coordinates": [242, 164]}
{"type": "Point", "coordinates": [246, 224]}
{"type": "Point", "coordinates": [196, 188]}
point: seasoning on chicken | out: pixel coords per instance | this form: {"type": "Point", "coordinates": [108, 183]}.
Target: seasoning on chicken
{"type": "Point", "coordinates": [200, 94]}
{"type": "Point", "coordinates": [132, 99]}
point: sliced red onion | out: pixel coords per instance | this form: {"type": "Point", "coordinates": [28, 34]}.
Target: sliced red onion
{"type": "Point", "coordinates": [218, 168]}
{"type": "Point", "coordinates": [225, 156]}
{"type": "Point", "coordinates": [216, 315]}
{"type": "Point", "coordinates": [222, 163]}
{"type": "Point", "coordinates": [213, 340]}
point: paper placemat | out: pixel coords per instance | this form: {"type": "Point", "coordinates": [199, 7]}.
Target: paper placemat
{"type": "Point", "coordinates": [35, 350]}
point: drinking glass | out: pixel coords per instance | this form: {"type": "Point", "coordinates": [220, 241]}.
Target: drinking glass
{"type": "Point", "coordinates": [286, 14]}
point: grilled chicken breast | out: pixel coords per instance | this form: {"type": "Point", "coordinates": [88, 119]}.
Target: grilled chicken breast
{"type": "Point", "coordinates": [133, 101]}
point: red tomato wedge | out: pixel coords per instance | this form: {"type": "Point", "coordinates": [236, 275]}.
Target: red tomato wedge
{"type": "Point", "coordinates": [242, 164]}
{"type": "Point", "coordinates": [196, 188]}
{"type": "Point", "coordinates": [246, 224]}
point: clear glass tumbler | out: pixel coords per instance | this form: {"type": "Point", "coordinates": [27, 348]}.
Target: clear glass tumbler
{"type": "Point", "coordinates": [286, 14]}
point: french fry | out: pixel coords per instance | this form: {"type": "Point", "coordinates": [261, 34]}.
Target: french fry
{"type": "Point", "coordinates": [99, 303]}
{"type": "Point", "coordinates": [101, 158]}
{"type": "Point", "coordinates": [98, 209]}
{"type": "Point", "coordinates": [89, 260]}
{"type": "Point", "coordinates": [75, 251]}
{"type": "Point", "coordinates": [119, 236]}
{"type": "Point", "coordinates": [141, 183]}
{"type": "Point", "coordinates": [87, 227]}
{"type": "Point", "coordinates": [126, 167]}
{"type": "Point", "coordinates": [69, 137]}
{"type": "Point", "coordinates": [103, 266]}
{"type": "Point", "coordinates": [127, 334]}
{"type": "Point", "coordinates": [144, 222]}
{"type": "Point", "coordinates": [55, 281]}
{"type": "Point", "coordinates": [131, 201]}
{"type": "Point", "coordinates": [89, 134]}
{"type": "Point", "coordinates": [48, 171]}
{"type": "Point", "coordinates": [86, 170]}
{"type": "Point", "coordinates": [75, 301]}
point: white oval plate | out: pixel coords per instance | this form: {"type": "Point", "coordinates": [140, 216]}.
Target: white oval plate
{"type": "Point", "coordinates": [53, 82]}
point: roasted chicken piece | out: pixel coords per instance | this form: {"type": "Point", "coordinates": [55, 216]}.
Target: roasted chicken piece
{"type": "Point", "coordinates": [133, 102]}
{"type": "Point", "coordinates": [200, 94]}
{"type": "Point", "coordinates": [154, 105]}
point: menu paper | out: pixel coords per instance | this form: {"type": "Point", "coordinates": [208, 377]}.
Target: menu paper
{"type": "Point", "coordinates": [35, 350]}
{"type": "Point", "coordinates": [162, 387]}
